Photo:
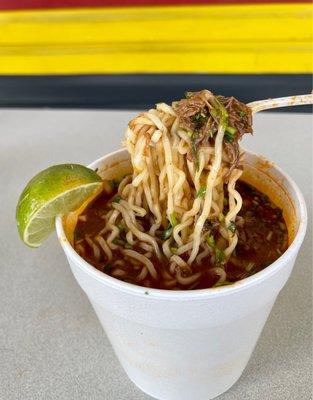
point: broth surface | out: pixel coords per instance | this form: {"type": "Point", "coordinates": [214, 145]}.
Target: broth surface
{"type": "Point", "coordinates": [262, 238]}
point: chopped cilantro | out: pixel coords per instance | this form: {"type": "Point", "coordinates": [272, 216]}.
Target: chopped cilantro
{"type": "Point", "coordinates": [120, 227]}
{"type": "Point", "coordinates": [250, 266]}
{"type": "Point", "coordinates": [107, 268]}
{"type": "Point", "coordinates": [219, 255]}
{"type": "Point", "coordinates": [210, 241]}
{"type": "Point", "coordinates": [173, 220]}
{"type": "Point", "coordinates": [190, 134]}
{"type": "Point", "coordinates": [221, 112]}
{"type": "Point", "coordinates": [116, 181]}
{"type": "Point", "coordinates": [194, 148]}
{"type": "Point", "coordinates": [188, 95]}
{"type": "Point", "coordinates": [174, 250]}
{"type": "Point", "coordinates": [118, 241]}
{"type": "Point", "coordinates": [121, 242]}
{"type": "Point", "coordinates": [232, 227]}
{"type": "Point", "coordinates": [229, 133]}
{"type": "Point", "coordinates": [230, 130]}
{"type": "Point", "coordinates": [117, 199]}
{"type": "Point", "coordinates": [228, 137]}
{"type": "Point", "coordinates": [199, 117]}
{"type": "Point", "coordinates": [167, 232]}
{"type": "Point", "coordinates": [213, 112]}
{"type": "Point", "coordinates": [211, 132]}
{"type": "Point", "coordinates": [201, 192]}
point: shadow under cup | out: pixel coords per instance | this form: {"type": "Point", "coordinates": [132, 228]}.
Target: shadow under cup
{"type": "Point", "coordinates": [183, 345]}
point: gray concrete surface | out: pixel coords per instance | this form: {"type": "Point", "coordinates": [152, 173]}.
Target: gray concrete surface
{"type": "Point", "coordinates": [51, 343]}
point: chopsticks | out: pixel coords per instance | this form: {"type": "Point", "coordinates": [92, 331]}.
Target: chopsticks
{"type": "Point", "coordinates": [299, 100]}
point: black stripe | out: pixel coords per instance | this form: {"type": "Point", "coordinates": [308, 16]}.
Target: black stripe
{"type": "Point", "coordinates": [139, 91]}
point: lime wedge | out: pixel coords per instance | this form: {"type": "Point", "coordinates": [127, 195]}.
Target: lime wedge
{"type": "Point", "coordinates": [57, 190]}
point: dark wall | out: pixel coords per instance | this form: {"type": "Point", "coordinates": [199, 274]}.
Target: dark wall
{"type": "Point", "coordinates": [140, 91]}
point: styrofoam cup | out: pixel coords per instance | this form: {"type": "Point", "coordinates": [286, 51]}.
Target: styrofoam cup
{"type": "Point", "coordinates": [183, 345]}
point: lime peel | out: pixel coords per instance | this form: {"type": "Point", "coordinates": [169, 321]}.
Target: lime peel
{"type": "Point", "coordinates": [57, 190]}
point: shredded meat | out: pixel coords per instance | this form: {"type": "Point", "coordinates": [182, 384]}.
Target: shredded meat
{"type": "Point", "coordinates": [199, 114]}
{"type": "Point", "coordinates": [233, 153]}
{"type": "Point", "coordinates": [249, 236]}
{"type": "Point", "coordinates": [187, 109]}
{"type": "Point", "coordinates": [240, 221]}
{"type": "Point", "coordinates": [239, 115]}
{"type": "Point", "coordinates": [242, 237]}
{"type": "Point", "coordinates": [212, 224]}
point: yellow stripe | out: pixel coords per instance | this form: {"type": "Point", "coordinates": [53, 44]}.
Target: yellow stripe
{"type": "Point", "coordinates": [268, 38]}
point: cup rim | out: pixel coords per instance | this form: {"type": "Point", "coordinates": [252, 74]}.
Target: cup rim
{"type": "Point", "coordinates": [248, 282]}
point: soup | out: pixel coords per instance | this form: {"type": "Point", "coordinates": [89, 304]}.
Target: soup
{"type": "Point", "coordinates": [183, 219]}
{"type": "Point", "coordinates": [262, 239]}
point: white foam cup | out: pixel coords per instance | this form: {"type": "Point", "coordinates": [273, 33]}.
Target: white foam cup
{"type": "Point", "coordinates": [183, 345]}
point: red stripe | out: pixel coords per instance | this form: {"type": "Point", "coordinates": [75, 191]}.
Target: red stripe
{"type": "Point", "coordinates": [26, 4]}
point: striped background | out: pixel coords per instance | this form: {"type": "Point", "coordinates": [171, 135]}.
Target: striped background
{"type": "Point", "coordinates": [82, 46]}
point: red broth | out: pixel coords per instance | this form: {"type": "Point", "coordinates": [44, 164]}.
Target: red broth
{"type": "Point", "coordinates": [262, 238]}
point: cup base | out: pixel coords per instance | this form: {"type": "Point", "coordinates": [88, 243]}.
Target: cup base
{"type": "Point", "coordinates": [179, 397]}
